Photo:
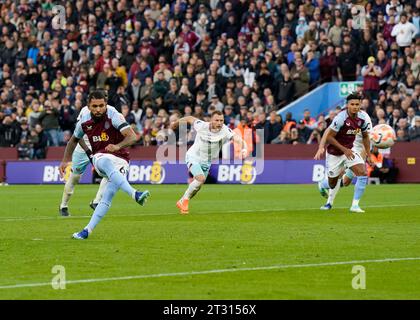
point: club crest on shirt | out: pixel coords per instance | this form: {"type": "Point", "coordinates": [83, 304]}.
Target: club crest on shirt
{"type": "Point", "coordinates": [89, 127]}
{"type": "Point", "coordinates": [107, 125]}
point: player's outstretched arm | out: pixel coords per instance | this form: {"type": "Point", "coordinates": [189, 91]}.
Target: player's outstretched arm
{"type": "Point", "coordinates": [185, 120]}
{"type": "Point", "coordinates": [71, 145]}
{"type": "Point", "coordinates": [321, 148]}
{"type": "Point", "coordinates": [129, 139]}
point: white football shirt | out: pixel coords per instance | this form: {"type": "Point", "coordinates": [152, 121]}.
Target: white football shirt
{"type": "Point", "coordinates": [207, 144]}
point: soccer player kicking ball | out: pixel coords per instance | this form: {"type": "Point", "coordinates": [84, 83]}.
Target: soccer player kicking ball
{"type": "Point", "coordinates": [109, 135]}
{"type": "Point", "coordinates": [81, 157]}
{"type": "Point", "coordinates": [207, 144]}
{"type": "Point", "coordinates": [340, 136]}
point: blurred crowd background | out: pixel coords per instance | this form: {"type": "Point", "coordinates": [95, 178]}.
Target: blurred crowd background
{"type": "Point", "coordinates": [160, 60]}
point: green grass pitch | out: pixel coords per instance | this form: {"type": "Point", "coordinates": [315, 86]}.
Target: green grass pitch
{"type": "Point", "coordinates": [238, 242]}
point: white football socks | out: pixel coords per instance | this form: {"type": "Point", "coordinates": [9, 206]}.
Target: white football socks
{"type": "Point", "coordinates": [100, 190]}
{"type": "Point", "coordinates": [192, 189]}
{"type": "Point", "coordinates": [332, 193]}
{"type": "Point", "coordinates": [69, 189]}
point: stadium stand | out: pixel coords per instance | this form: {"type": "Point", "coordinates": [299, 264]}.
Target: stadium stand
{"type": "Point", "coordinates": [160, 59]}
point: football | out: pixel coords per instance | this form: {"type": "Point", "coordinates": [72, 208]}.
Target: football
{"type": "Point", "coordinates": [383, 136]}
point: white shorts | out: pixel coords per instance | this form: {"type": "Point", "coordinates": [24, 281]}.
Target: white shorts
{"type": "Point", "coordinates": [336, 164]}
{"type": "Point", "coordinates": [359, 148]}
{"type": "Point", "coordinates": [119, 163]}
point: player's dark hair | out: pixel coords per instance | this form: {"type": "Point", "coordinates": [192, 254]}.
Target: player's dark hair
{"type": "Point", "coordinates": [98, 94]}
{"type": "Point", "coordinates": [353, 96]}
{"type": "Point", "coordinates": [220, 113]}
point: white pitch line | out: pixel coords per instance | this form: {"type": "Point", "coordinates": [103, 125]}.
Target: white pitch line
{"type": "Point", "coordinates": [198, 213]}
{"type": "Point", "coordinates": [193, 273]}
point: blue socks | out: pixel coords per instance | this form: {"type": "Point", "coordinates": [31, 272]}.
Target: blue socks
{"type": "Point", "coordinates": [103, 206]}
{"type": "Point", "coordinates": [116, 181]}
{"type": "Point", "coordinates": [359, 189]}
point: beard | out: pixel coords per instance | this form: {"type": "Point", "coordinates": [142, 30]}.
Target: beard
{"type": "Point", "coordinates": [97, 118]}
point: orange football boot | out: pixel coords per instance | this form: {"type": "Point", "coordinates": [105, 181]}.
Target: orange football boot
{"type": "Point", "coordinates": [182, 205]}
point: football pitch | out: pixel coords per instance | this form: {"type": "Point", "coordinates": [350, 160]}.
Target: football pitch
{"type": "Point", "coordinates": [238, 242]}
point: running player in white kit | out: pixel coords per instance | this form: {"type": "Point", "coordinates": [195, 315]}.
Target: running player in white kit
{"type": "Point", "coordinates": [207, 144]}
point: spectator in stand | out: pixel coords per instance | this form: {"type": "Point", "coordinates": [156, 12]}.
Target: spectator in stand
{"type": "Point", "coordinates": [189, 36]}
{"type": "Point", "coordinates": [40, 142]}
{"type": "Point", "coordinates": [328, 65]}
{"type": "Point", "coordinates": [315, 137]}
{"type": "Point", "coordinates": [67, 116]}
{"type": "Point", "coordinates": [334, 34]}
{"type": "Point", "coordinates": [286, 88]}
{"type": "Point", "coordinates": [385, 64]}
{"type": "Point", "coordinates": [414, 131]}
{"type": "Point", "coordinates": [9, 131]}
{"type": "Point", "coordinates": [402, 135]}
{"type": "Point", "coordinates": [289, 123]}
{"type": "Point", "coordinates": [282, 138]}
{"type": "Point", "coordinates": [404, 32]}
{"type": "Point", "coordinates": [129, 117]}
{"type": "Point", "coordinates": [394, 118]}
{"type": "Point", "coordinates": [309, 121]}
{"type": "Point", "coordinates": [403, 125]}
{"type": "Point", "coordinates": [347, 64]}
{"type": "Point", "coordinates": [24, 149]}
{"type": "Point", "coordinates": [312, 63]}
{"type": "Point", "coordinates": [300, 76]}
{"type": "Point", "coordinates": [294, 137]}
{"type": "Point", "coordinates": [133, 90]}
{"type": "Point", "coordinates": [252, 44]}
{"type": "Point", "coordinates": [371, 74]}
{"type": "Point", "coordinates": [244, 130]}
{"type": "Point", "coordinates": [272, 128]}
{"type": "Point", "coordinates": [411, 116]}
{"type": "Point", "coordinates": [304, 131]}
{"type": "Point", "coordinates": [382, 168]}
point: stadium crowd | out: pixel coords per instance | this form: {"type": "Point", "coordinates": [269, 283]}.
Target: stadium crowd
{"type": "Point", "coordinates": [160, 60]}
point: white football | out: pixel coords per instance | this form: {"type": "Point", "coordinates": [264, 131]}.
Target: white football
{"type": "Point", "coordinates": [383, 136]}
